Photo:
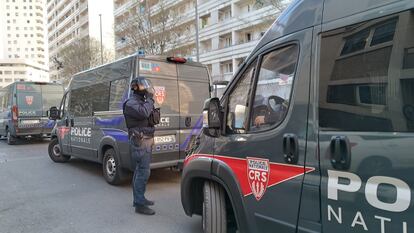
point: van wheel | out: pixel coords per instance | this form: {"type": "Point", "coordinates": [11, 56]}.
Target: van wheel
{"type": "Point", "coordinates": [55, 152]}
{"type": "Point", "coordinates": [214, 218]}
{"type": "Point", "coordinates": [111, 167]}
{"type": "Point", "coordinates": [11, 140]}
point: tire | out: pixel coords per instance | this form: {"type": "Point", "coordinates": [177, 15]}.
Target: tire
{"type": "Point", "coordinates": [111, 168]}
{"type": "Point", "coordinates": [11, 140]}
{"type": "Point", "coordinates": [214, 218]}
{"type": "Point", "coordinates": [55, 152]}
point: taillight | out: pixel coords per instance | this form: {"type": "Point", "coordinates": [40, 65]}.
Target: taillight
{"type": "Point", "coordinates": [15, 113]}
{"type": "Point", "coordinates": [177, 59]}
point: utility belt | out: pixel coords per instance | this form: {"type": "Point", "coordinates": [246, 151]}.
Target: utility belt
{"type": "Point", "coordinates": [139, 137]}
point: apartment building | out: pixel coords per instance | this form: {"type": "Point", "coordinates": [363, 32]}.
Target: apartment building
{"type": "Point", "coordinates": [23, 47]}
{"type": "Point", "coordinates": [69, 20]}
{"type": "Point", "coordinates": [228, 29]}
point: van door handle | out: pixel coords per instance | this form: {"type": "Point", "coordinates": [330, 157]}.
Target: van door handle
{"type": "Point", "coordinates": [291, 148]}
{"type": "Point", "coordinates": [72, 122]}
{"type": "Point", "coordinates": [187, 121]}
{"type": "Point", "coordinates": [340, 152]}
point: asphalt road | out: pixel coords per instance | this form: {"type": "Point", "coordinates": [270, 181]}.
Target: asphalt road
{"type": "Point", "coordinates": [38, 195]}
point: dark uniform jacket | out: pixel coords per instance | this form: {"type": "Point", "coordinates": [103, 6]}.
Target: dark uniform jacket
{"type": "Point", "coordinates": [137, 110]}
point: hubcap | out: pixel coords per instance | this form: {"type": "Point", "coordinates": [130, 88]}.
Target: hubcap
{"type": "Point", "coordinates": [56, 150]}
{"type": "Point", "coordinates": [110, 166]}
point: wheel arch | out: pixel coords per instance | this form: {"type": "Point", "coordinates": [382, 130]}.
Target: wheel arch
{"type": "Point", "coordinates": [107, 143]}
{"type": "Point", "coordinates": [199, 171]}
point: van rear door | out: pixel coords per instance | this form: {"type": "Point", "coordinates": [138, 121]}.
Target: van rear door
{"type": "Point", "coordinates": [366, 120]}
{"type": "Point", "coordinates": [163, 77]}
{"type": "Point", "coordinates": [29, 100]}
{"type": "Point", "coordinates": [194, 89]}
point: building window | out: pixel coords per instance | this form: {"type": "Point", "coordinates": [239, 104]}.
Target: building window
{"type": "Point", "coordinates": [248, 37]}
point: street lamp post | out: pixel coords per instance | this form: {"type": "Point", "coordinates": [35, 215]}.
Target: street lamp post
{"type": "Point", "coordinates": [100, 30]}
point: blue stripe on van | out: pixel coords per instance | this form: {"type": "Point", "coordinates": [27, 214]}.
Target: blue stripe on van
{"type": "Point", "coordinates": [119, 135]}
{"type": "Point", "coordinates": [49, 124]}
{"type": "Point", "coordinates": [109, 122]}
{"type": "Point", "coordinates": [195, 131]}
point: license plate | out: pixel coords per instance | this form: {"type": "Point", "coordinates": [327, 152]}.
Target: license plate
{"type": "Point", "coordinates": [29, 122]}
{"type": "Point", "coordinates": [164, 139]}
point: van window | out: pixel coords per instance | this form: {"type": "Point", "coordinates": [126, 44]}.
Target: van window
{"type": "Point", "coordinates": [371, 89]}
{"type": "Point", "coordinates": [81, 102]}
{"type": "Point", "coordinates": [100, 96]}
{"type": "Point", "coordinates": [274, 87]}
{"type": "Point", "coordinates": [52, 96]}
{"type": "Point", "coordinates": [238, 102]}
{"type": "Point", "coordinates": [89, 99]}
{"type": "Point", "coordinates": [118, 94]}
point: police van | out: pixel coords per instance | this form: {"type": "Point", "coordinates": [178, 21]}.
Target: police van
{"type": "Point", "coordinates": [23, 109]}
{"type": "Point", "coordinates": [315, 133]}
{"type": "Point", "coordinates": [90, 122]}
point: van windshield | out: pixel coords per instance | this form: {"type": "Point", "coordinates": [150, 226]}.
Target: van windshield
{"type": "Point", "coordinates": [36, 99]}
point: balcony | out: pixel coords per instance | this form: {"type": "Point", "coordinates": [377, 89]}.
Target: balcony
{"type": "Point", "coordinates": [237, 23]}
{"type": "Point", "coordinates": [124, 7]}
{"type": "Point", "coordinates": [64, 23]}
{"type": "Point", "coordinates": [222, 77]}
{"type": "Point", "coordinates": [234, 51]}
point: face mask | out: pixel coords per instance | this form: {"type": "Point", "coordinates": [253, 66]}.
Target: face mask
{"type": "Point", "coordinates": [141, 93]}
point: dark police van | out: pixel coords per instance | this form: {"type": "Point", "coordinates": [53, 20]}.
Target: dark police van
{"type": "Point", "coordinates": [315, 133]}
{"type": "Point", "coordinates": [23, 109]}
{"type": "Point", "coordinates": [91, 125]}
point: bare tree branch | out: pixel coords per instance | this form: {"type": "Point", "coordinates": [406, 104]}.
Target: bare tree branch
{"type": "Point", "coordinates": [81, 55]}
{"type": "Point", "coordinates": [156, 31]}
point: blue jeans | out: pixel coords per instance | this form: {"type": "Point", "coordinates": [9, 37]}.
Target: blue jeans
{"type": "Point", "coordinates": [141, 154]}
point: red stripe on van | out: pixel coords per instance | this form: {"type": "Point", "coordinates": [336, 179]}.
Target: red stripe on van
{"type": "Point", "coordinates": [279, 172]}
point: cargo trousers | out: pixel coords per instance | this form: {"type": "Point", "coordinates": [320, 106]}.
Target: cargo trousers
{"type": "Point", "coordinates": [141, 151]}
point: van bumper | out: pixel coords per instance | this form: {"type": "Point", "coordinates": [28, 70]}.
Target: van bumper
{"type": "Point", "coordinates": [32, 131]}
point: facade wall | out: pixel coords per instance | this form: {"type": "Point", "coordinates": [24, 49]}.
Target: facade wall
{"type": "Point", "coordinates": [228, 30]}
{"type": "Point", "coordinates": [23, 41]}
{"type": "Point", "coordinates": [69, 20]}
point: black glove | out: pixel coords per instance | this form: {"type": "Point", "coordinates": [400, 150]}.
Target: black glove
{"type": "Point", "coordinates": [149, 95]}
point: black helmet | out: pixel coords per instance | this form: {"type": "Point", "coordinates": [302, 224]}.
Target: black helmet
{"type": "Point", "coordinates": [142, 81]}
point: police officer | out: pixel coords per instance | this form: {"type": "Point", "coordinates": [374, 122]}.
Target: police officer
{"type": "Point", "coordinates": [137, 110]}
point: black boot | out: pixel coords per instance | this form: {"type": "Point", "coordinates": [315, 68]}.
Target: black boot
{"type": "Point", "coordinates": [142, 209]}
{"type": "Point", "coordinates": [148, 202]}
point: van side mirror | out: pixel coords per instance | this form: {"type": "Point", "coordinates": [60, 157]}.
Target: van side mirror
{"type": "Point", "coordinates": [212, 116]}
{"type": "Point", "coordinates": [53, 113]}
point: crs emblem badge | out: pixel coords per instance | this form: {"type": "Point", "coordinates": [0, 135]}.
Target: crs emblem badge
{"type": "Point", "coordinates": [159, 94]}
{"type": "Point", "coordinates": [29, 100]}
{"type": "Point", "coordinates": [258, 172]}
